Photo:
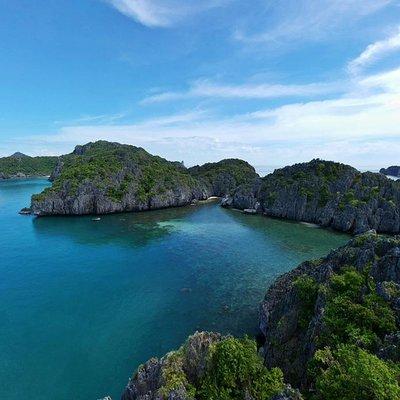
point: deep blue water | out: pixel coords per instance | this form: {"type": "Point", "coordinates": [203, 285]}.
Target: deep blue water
{"type": "Point", "coordinates": [82, 303]}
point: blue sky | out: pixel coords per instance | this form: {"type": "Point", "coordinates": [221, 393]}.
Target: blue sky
{"type": "Point", "coordinates": [273, 82]}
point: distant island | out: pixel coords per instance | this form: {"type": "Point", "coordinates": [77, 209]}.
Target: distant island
{"type": "Point", "coordinates": [105, 177]}
{"type": "Point", "coordinates": [394, 170]}
{"type": "Point", "coordinates": [19, 165]}
{"type": "Point", "coordinates": [330, 331]}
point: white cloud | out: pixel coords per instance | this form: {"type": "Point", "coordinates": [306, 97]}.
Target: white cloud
{"type": "Point", "coordinates": [309, 19]}
{"type": "Point", "coordinates": [361, 127]}
{"type": "Point", "coordinates": [208, 89]}
{"type": "Point", "coordinates": [162, 13]}
{"type": "Point", "coordinates": [374, 52]}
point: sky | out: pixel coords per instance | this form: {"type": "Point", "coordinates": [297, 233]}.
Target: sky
{"type": "Point", "coordinates": [271, 81]}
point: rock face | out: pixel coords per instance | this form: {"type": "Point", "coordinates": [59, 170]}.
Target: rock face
{"type": "Point", "coordinates": [103, 177]}
{"type": "Point", "coordinates": [326, 193]}
{"type": "Point", "coordinates": [290, 342]}
{"type": "Point", "coordinates": [394, 170]}
{"type": "Point", "coordinates": [151, 377]}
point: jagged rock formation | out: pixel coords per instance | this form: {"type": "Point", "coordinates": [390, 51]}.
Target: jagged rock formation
{"type": "Point", "coordinates": [188, 373]}
{"type": "Point", "coordinates": [326, 193]}
{"type": "Point", "coordinates": [309, 308]}
{"type": "Point", "coordinates": [394, 170]}
{"type": "Point", "coordinates": [19, 165]}
{"type": "Point", "coordinates": [103, 177]}
{"type": "Point", "coordinates": [152, 377]}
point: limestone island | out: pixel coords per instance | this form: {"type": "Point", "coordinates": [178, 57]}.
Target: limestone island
{"type": "Point", "coordinates": [104, 177]}
{"type": "Point", "coordinates": [394, 170]}
{"type": "Point", "coordinates": [19, 165]}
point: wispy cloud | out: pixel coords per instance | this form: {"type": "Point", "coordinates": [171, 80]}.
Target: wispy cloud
{"type": "Point", "coordinates": [162, 13]}
{"type": "Point", "coordinates": [209, 89]}
{"type": "Point", "coordinates": [374, 52]}
{"type": "Point", "coordinates": [91, 119]}
{"type": "Point", "coordinates": [359, 126]}
{"type": "Point", "coordinates": [309, 19]}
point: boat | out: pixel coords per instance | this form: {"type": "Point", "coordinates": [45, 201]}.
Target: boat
{"type": "Point", "coordinates": [96, 219]}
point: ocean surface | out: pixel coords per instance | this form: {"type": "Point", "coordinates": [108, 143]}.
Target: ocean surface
{"type": "Point", "coordinates": [83, 303]}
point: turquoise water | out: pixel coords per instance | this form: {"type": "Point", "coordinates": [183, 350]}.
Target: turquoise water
{"type": "Point", "coordinates": [82, 303]}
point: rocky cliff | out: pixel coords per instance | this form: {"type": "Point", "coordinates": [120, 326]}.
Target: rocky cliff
{"type": "Point", "coordinates": [209, 366]}
{"type": "Point", "coordinates": [19, 165]}
{"type": "Point", "coordinates": [326, 193]}
{"type": "Point", "coordinates": [394, 170]}
{"type": "Point", "coordinates": [104, 177]}
{"type": "Point", "coordinates": [349, 300]}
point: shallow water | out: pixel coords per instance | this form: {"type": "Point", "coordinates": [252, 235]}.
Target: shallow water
{"type": "Point", "coordinates": [82, 303]}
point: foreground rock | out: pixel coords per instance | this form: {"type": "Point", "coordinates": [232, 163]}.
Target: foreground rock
{"type": "Point", "coordinates": [311, 307]}
{"type": "Point", "coordinates": [394, 170]}
{"type": "Point", "coordinates": [209, 366]}
{"type": "Point", "coordinates": [103, 177]}
{"type": "Point", "coordinates": [326, 193]}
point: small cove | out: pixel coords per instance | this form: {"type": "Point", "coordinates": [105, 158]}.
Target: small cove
{"type": "Point", "coordinates": [83, 303]}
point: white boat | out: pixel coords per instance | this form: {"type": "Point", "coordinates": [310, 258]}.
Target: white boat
{"type": "Point", "coordinates": [96, 219]}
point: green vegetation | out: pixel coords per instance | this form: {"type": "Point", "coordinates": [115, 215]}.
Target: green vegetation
{"type": "Point", "coordinates": [321, 182]}
{"type": "Point", "coordinates": [240, 172]}
{"type": "Point", "coordinates": [232, 371]}
{"type": "Point", "coordinates": [355, 322]}
{"type": "Point", "coordinates": [307, 289]}
{"type": "Point", "coordinates": [351, 373]}
{"type": "Point", "coordinates": [312, 180]}
{"type": "Point", "coordinates": [31, 166]}
{"type": "Point", "coordinates": [235, 371]}
{"type": "Point", "coordinates": [354, 313]}
{"type": "Point", "coordinates": [174, 377]}
{"type": "Point", "coordinates": [117, 169]}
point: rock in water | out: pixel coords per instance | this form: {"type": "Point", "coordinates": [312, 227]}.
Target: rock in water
{"type": "Point", "coordinates": [394, 170]}
{"type": "Point", "coordinates": [104, 177]}
{"type": "Point", "coordinates": [20, 165]}
{"type": "Point", "coordinates": [328, 194]}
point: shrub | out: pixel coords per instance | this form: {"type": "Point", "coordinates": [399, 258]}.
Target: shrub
{"type": "Point", "coordinates": [307, 290]}
{"type": "Point", "coordinates": [174, 377]}
{"type": "Point", "coordinates": [354, 313]}
{"type": "Point", "coordinates": [351, 373]}
{"type": "Point", "coordinates": [235, 371]}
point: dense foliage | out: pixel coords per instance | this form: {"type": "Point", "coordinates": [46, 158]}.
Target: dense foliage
{"type": "Point", "coordinates": [307, 289]}
{"type": "Point", "coordinates": [355, 321]}
{"type": "Point", "coordinates": [117, 169]}
{"type": "Point", "coordinates": [229, 173]}
{"type": "Point", "coordinates": [355, 313]}
{"type": "Point", "coordinates": [321, 182]}
{"type": "Point", "coordinates": [236, 372]}
{"type": "Point", "coordinates": [30, 166]}
{"type": "Point", "coordinates": [351, 373]}
{"type": "Point", "coordinates": [233, 371]}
